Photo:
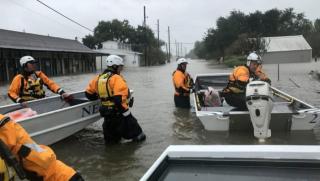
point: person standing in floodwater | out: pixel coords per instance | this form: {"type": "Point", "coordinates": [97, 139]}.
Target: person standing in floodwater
{"type": "Point", "coordinates": [182, 83]}
{"type": "Point", "coordinates": [111, 88]}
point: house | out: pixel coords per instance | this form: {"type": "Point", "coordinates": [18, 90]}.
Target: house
{"type": "Point", "coordinates": [286, 49]}
{"type": "Point", "coordinates": [56, 56]}
{"type": "Point", "coordinates": [131, 58]}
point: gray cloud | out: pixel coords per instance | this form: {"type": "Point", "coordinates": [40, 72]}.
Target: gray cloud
{"type": "Point", "coordinates": [188, 19]}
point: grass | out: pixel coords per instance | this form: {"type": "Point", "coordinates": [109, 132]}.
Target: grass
{"type": "Point", "coordinates": [234, 60]}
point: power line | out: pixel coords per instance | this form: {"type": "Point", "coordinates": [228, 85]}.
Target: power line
{"type": "Point", "coordinates": [64, 15]}
{"type": "Point", "coordinates": [43, 16]}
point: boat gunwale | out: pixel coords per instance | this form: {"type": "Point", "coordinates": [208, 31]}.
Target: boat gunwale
{"type": "Point", "coordinates": [279, 153]}
{"type": "Point", "coordinates": [54, 111]}
{"type": "Point", "coordinates": [58, 111]}
{"type": "Point", "coordinates": [54, 128]}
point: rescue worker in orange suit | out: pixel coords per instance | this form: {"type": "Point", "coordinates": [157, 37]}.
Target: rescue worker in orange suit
{"type": "Point", "coordinates": [182, 83]}
{"type": "Point", "coordinates": [111, 88]}
{"type": "Point", "coordinates": [28, 85]}
{"type": "Point", "coordinates": [235, 91]}
{"type": "Point", "coordinates": [38, 161]}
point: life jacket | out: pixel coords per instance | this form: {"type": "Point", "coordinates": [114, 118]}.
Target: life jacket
{"type": "Point", "coordinates": [238, 80]}
{"type": "Point", "coordinates": [187, 82]}
{"type": "Point", "coordinates": [104, 91]}
{"type": "Point", "coordinates": [4, 171]}
{"type": "Point", "coordinates": [33, 88]}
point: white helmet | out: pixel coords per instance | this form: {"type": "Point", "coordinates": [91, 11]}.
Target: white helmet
{"type": "Point", "coordinates": [181, 60]}
{"type": "Point", "coordinates": [114, 60]}
{"type": "Point", "coordinates": [26, 59]}
{"type": "Point", "coordinates": [253, 57]}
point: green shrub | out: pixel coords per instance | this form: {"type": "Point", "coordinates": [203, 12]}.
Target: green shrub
{"type": "Point", "coordinates": [232, 61]}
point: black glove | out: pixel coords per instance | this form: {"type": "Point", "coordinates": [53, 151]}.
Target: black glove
{"type": "Point", "coordinates": [131, 102]}
{"type": "Point", "coordinates": [268, 81]}
{"type": "Point", "coordinates": [192, 89]}
{"type": "Point", "coordinates": [67, 98]}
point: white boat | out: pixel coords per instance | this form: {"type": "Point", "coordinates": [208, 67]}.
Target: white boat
{"type": "Point", "coordinates": [57, 119]}
{"type": "Point", "coordinates": [288, 113]}
{"type": "Point", "coordinates": [241, 162]}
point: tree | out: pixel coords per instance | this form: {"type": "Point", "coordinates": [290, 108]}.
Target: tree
{"type": "Point", "coordinates": [89, 41]}
{"type": "Point", "coordinates": [142, 39]}
{"type": "Point", "coordinates": [317, 25]}
{"type": "Point", "coordinates": [199, 49]}
{"type": "Point", "coordinates": [229, 36]}
{"type": "Point", "coordinates": [114, 30]}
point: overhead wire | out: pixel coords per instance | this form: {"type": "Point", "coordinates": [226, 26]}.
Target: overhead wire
{"type": "Point", "coordinates": [65, 16]}
{"type": "Point", "coordinates": [42, 15]}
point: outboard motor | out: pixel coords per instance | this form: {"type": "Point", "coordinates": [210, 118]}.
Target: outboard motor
{"type": "Point", "coordinates": [260, 104]}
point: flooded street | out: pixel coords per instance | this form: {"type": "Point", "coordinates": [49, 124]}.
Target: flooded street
{"type": "Point", "coordinates": [165, 125]}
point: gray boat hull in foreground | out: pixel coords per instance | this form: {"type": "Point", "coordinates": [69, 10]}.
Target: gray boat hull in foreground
{"type": "Point", "coordinates": [56, 119]}
{"type": "Point", "coordinates": [243, 163]}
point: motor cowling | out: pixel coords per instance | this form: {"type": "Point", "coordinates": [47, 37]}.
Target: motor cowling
{"type": "Point", "coordinates": [260, 104]}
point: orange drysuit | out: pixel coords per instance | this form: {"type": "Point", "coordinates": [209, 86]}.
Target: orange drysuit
{"type": "Point", "coordinates": [22, 89]}
{"type": "Point", "coordinates": [113, 92]}
{"type": "Point", "coordinates": [240, 77]}
{"type": "Point", "coordinates": [181, 82]}
{"type": "Point", "coordinates": [234, 93]}
{"type": "Point", "coordinates": [35, 158]}
{"type": "Point", "coordinates": [107, 86]}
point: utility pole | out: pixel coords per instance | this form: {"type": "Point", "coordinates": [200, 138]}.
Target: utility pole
{"type": "Point", "coordinates": [144, 16]}
{"type": "Point", "coordinates": [169, 57]}
{"type": "Point", "coordinates": [181, 49]}
{"type": "Point", "coordinates": [158, 33]}
{"type": "Point", "coordinates": [145, 35]}
{"type": "Point", "coordinates": [185, 51]}
{"type": "Point", "coordinates": [177, 49]}
{"type": "Point", "coordinates": [167, 52]}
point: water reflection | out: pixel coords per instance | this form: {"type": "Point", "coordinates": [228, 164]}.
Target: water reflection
{"type": "Point", "coordinates": [184, 124]}
{"type": "Point", "coordinates": [99, 161]}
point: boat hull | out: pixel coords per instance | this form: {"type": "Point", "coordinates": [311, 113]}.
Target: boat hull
{"type": "Point", "coordinates": [236, 162]}
{"type": "Point", "coordinates": [289, 113]}
{"type": "Point", "coordinates": [57, 119]}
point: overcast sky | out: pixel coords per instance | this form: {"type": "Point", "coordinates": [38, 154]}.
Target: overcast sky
{"type": "Point", "coordinates": [188, 19]}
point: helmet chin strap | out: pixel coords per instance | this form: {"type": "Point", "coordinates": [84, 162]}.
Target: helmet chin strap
{"type": "Point", "coordinates": [113, 69]}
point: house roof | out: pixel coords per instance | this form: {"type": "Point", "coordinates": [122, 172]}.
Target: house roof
{"type": "Point", "coordinates": [28, 41]}
{"type": "Point", "coordinates": [286, 43]}
{"type": "Point", "coordinates": [120, 52]}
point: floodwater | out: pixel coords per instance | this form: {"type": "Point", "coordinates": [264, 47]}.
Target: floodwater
{"type": "Point", "coordinates": [166, 125]}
